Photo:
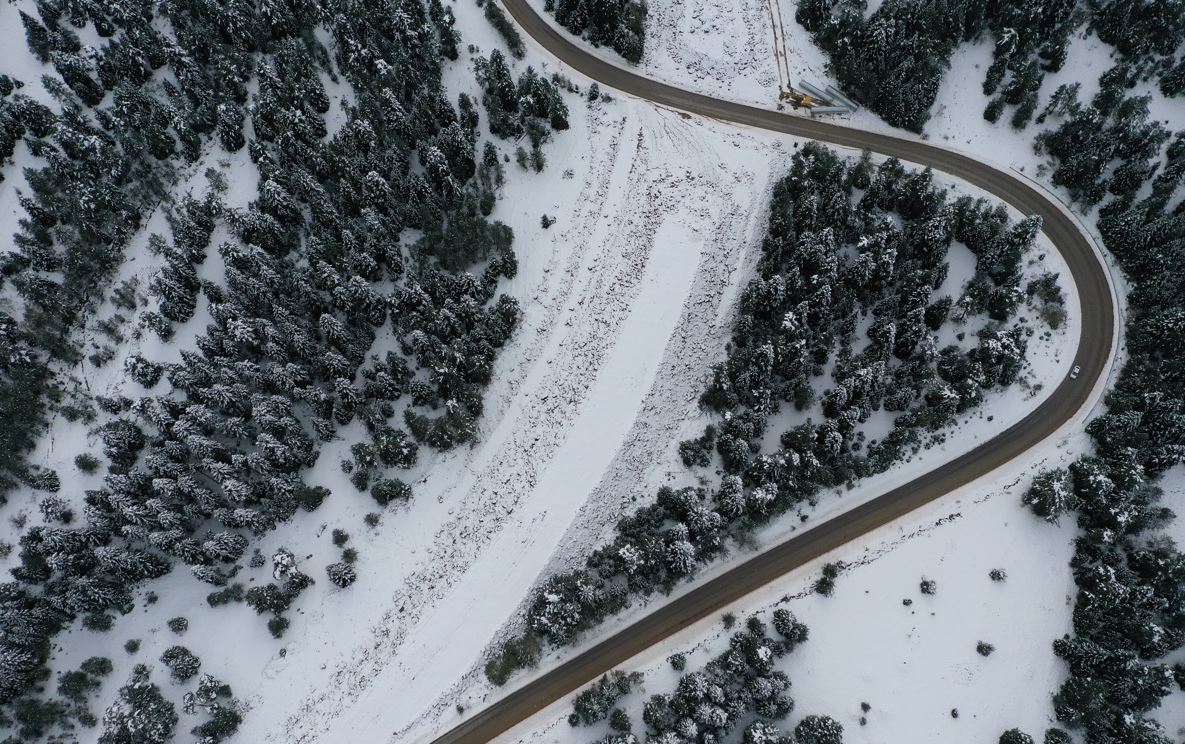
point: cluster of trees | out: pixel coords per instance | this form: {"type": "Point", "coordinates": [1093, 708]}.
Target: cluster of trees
{"type": "Point", "coordinates": [532, 107]}
{"type": "Point", "coordinates": [1128, 613]}
{"type": "Point", "coordinates": [828, 261]}
{"type": "Point", "coordinates": [1108, 146]}
{"type": "Point", "coordinates": [141, 714]}
{"type": "Point", "coordinates": [893, 60]}
{"type": "Point", "coordinates": [617, 24]}
{"type": "Point", "coordinates": [599, 701]}
{"type": "Point", "coordinates": [1149, 34]}
{"type": "Point", "coordinates": [315, 265]}
{"type": "Point", "coordinates": [503, 25]}
{"type": "Point", "coordinates": [741, 685]}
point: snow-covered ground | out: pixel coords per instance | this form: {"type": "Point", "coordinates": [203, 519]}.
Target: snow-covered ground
{"type": "Point", "coordinates": [648, 460]}
{"type": "Point", "coordinates": [913, 664]}
{"type": "Point", "coordinates": [626, 304]}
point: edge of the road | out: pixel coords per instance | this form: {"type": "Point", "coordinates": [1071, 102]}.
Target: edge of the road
{"type": "Point", "coordinates": [1064, 410]}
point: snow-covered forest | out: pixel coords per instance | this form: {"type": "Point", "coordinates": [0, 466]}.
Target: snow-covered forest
{"type": "Point", "coordinates": [316, 212]}
{"type": "Point", "coordinates": [351, 345]}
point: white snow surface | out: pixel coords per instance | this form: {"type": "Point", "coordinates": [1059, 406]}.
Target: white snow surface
{"type": "Point", "coordinates": [913, 664]}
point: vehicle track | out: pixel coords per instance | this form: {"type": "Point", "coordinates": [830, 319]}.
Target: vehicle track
{"type": "Point", "coordinates": [1093, 355]}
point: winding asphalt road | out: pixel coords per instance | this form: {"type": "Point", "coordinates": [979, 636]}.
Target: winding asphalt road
{"type": "Point", "coordinates": [1093, 355]}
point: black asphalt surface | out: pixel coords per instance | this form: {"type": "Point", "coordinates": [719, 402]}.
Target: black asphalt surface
{"type": "Point", "coordinates": [1093, 355]}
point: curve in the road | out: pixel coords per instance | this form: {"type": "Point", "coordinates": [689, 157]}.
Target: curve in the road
{"type": "Point", "coordinates": [1093, 356]}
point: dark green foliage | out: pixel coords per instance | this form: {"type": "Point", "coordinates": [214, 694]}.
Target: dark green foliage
{"type": "Point", "coordinates": [390, 489]}
{"type": "Point", "coordinates": [530, 106]}
{"type": "Point", "coordinates": [341, 574]}
{"type": "Point", "coordinates": [76, 686]}
{"type": "Point", "coordinates": [594, 703]}
{"type": "Point", "coordinates": [517, 653]}
{"type": "Point", "coordinates": [1015, 736]}
{"type": "Point", "coordinates": [984, 649]}
{"type": "Point", "coordinates": [698, 452]}
{"type": "Point", "coordinates": [310, 497]}
{"type": "Point", "coordinates": [1089, 138]}
{"type": "Point", "coordinates": [678, 662]}
{"type": "Point", "coordinates": [178, 625]}
{"type": "Point", "coordinates": [232, 593]}
{"type": "Point", "coordinates": [312, 267]}
{"type": "Point", "coordinates": [276, 598]}
{"type": "Point", "coordinates": [824, 263]}
{"type": "Point", "coordinates": [143, 371]}
{"type": "Point", "coordinates": [223, 723]}
{"type": "Point", "coordinates": [1142, 31]}
{"type": "Point", "coordinates": [618, 24]}
{"type": "Point", "coordinates": [503, 25]}
{"type": "Point", "coordinates": [86, 462]}
{"type": "Point", "coordinates": [122, 442]}
{"type": "Point", "coordinates": [816, 729]}
{"type": "Point", "coordinates": [619, 721]}
{"type": "Point", "coordinates": [140, 714]}
{"type": "Point", "coordinates": [97, 666]}
{"type": "Point", "coordinates": [993, 110]}
{"type": "Point", "coordinates": [572, 602]}
{"type": "Point", "coordinates": [738, 686]}
{"type": "Point", "coordinates": [35, 718]}
{"type": "Point", "coordinates": [894, 59]}
{"type": "Point", "coordinates": [793, 631]}
{"type": "Point", "coordinates": [99, 622]}
{"type": "Point", "coordinates": [1129, 578]}
{"type": "Point", "coordinates": [1057, 736]}
{"type": "Point", "coordinates": [444, 21]}
{"type": "Point", "coordinates": [276, 625]}
{"type": "Point", "coordinates": [825, 584]}
{"type": "Point", "coordinates": [181, 662]}
{"type": "Point", "coordinates": [1051, 494]}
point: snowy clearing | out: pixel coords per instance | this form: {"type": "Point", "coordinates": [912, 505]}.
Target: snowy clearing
{"type": "Point", "coordinates": [913, 664]}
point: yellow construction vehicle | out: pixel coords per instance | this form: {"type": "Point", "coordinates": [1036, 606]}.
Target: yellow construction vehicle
{"type": "Point", "coordinates": [796, 99]}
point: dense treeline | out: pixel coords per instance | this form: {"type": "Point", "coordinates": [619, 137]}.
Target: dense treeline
{"type": "Point", "coordinates": [1131, 579]}
{"type": "Point", "coordinates": [893, 60]}
{"type": "Point", "coordinates": [315, 266]}
{"type": "Point", "coordinates": [740, 686]}
{"type": "Point", "coordinates": [1104, 152]}
{"type": "Point", "coordinates": [617, 24]}
{"type": "Point", "coordinates": [833, 258]}
{"type": "Point", "coordinates": [1107, 146]}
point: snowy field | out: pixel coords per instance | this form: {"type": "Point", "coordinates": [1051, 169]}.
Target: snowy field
{"type": "Point", "coordinates": [912, 664]}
